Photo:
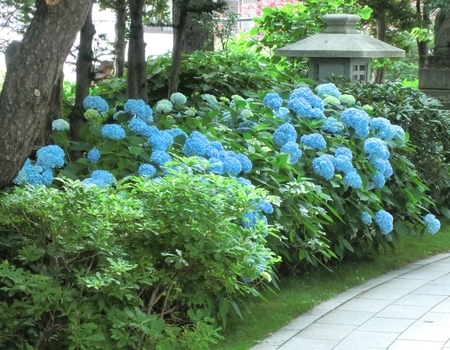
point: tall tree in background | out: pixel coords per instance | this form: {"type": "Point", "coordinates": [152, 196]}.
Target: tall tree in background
{"type": "Point", "coordinates": [388, 16]}
{"type": "Point", "coordinates": [136, 71]}
{"type": "Point", "coordinates": [31, 79]}
{"type": "Point", "coordinates": [119, 41]}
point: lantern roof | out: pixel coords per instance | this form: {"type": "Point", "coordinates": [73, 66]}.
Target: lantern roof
{"type": "Point", "coordinates": [340, 39]}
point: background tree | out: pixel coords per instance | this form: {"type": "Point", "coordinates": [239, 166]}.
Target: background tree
{"type": "Point", "coordinates": [31, 79]}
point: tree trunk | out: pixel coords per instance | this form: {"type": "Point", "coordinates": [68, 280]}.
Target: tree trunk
{"type": "Point", "coordinates": [84, 76]}
{"type": "Point", "coordinates": [381, 35]}
{"type": "Point", "coordinates": [198, 32]}
{"type": "Point", "coordinates": [119, 43]}
{"type": "Point", "coordinates": [179, 31]}
{"type": "Point", "coordinates": [422, 46]}
{"type": "Point", "coordinates": [31, 79]}
{"type": "Point", "coordinates": [136, 71]}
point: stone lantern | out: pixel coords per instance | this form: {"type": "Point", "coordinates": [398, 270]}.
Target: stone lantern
{"type": "Point", "coordinates": [340, 50]}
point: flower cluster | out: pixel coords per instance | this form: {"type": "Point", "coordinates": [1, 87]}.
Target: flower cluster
{"type": "Point", "coordinates": [283, 134]}
{"type": "Point", "coordinates": [164, 106]}
{"type": "Point", "coordinates": [328, 89]}
{"type": "Point", "coordinates": [293, 150]}
{"type": "Point", "coordinates": [140, 127]}
{"type": "Point", "coordinates": [51, 156]}
{"type": "Point", "coordinates": [385, 221]}
{"type": "Point", "coordinates": [358, 120]}
{"type": "Point", "coordinates": [160, 140]}
{"type": "Point", "coordinates": [60, 125]}
{"type": "Point", "coordinates": [315, 141]}
{"type": "Point", "coordinates": [178, 98]}
{"type": "Point", "coordinates": [366, 218]}
{"type": "Point", "coordinates": [432, 225]}
{"type": "Point", "coordinates": [93, 155]}
{"type": "Point", "coordinates": [100, 178]}
{"type": "Point", "coordinates": [34, 175]}
{"type": "Point", "coordinates": [140, 109]}
{"type": "Point", "coordinates": [97, 103]}
{"type": "Point", "coordinates": [113, 132]}
{"type": "Point", "coordinates": [332, 125]}
{"type": "Point", "coordinates": [147, 170]}
{"type": "Point", "coordinates": [273, 101]}
{"type": "Point", "coordinates": [323, 166]}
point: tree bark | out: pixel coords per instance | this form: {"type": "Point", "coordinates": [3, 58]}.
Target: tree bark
{"type": "Point", "coordinates": [422, 46]}
{"type": "Point", "coordinates": [119, 43]}
{"type": "Point", "coordinates": [198, 31]}
{"type": "Point", "coordinates": [31, 79]}
{"type": "Point", "coordinates": [84, 76]}
{"type": "Point", "coordinates": [136, 71]}
{"type": "Point", "coordinates": [381, 35]}
{"type": "Point", "coordinates": [177, 52]}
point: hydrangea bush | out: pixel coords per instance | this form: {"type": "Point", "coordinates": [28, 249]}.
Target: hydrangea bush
{"type": "Point", "coordinates": [342, 173]}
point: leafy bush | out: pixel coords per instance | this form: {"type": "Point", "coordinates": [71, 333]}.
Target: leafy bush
{"type": "Point", "coordinates": [146, 264]}
{"type": "Point", "coordinates": [427, 125]}
{"type": "Point", "coordinates": [401, 71]}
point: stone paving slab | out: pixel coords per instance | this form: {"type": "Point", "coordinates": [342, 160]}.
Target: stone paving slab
{"type": "Point", "coordinates": [405, 309]}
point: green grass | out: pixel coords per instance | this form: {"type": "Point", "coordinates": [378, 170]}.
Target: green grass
{"type": "Point", "coordinates": [302, 293]}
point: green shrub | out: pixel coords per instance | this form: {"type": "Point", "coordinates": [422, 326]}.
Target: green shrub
{"type": "Point", "coordinates": [146, 264]}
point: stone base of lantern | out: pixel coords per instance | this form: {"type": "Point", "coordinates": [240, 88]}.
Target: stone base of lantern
{"type": "Point", "coordinates": [435, 82]}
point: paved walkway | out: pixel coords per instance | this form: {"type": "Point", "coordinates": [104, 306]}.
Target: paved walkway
{"type": "Point", "coordinates": [406, 309]}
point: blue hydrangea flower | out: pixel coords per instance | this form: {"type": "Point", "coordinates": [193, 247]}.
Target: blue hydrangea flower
{"type": "Point", "coordinates": [343, 163]}
{"type": "Point", "coordinates": [388, 171]}
{"type": "Point", "coordinates": [332, 125]}
{"type": "Point", "coordinates": [385, 221]}
{"type": "Point", "coordinates": [97, 103]}
{"type": "Point", "coordinates": [34, 175]}
{"type": "Point", "coordinates": [160, 140]}
{"type": "Point", "coordinates": [60, 125]}
{"type": "Point", "coordinates": [358, 120]}
{"type": "Point", "coordinates": [348, 100]}
{"type": "Point", "coordinates": [164, 106]}
{"type": "Point", "coordinates": [243, 181]}
{"type": "Point", "coordinates": [245, 162]}
{"type": "Point", "coordinates": [232, 165]}
{"type": "Point", "coordinates": [273, 101]}
{"type": "Point", "coordinates": [376, 148]}
{"type": "Point", "coordinates": [366, 218]}
{"type": "Point", "coordinates": [249, 220]}
{"type": "Point", "coordinates": [216, 166]}
{"type": "Point", "coordinates": [282, 113]}
{"type": "Point", "coordinates": [309, 96]}
{"type": "Point", "coordinates": [353, 179]}
{"type": "Point", "coordinates": [195, 145]}
{"type": "Point", "coordinates": [323, 166]}
{"type": "Point", "coordinates": [293, 150]}
{"type": "Point", "coordinates": [344, 151]}
{"type": "Point", "coordinates": [113, 132]}
{"type": "Point", "coordinates": [315, 141]}
{"type": "Point", "coordinates": [378, 180]}
{"type": "Point", "coordinates": [300, 106]}
{"type": "Point", "coordinates": [100, 178]}
{"type": "Point", "coordinates": [140, 127]}
{"type": "Point", "coordinates": [399, 133]}
{"type": "Point", "coordinates": [265, 206]}
{"type": "Point", "coordinates": [147, 170]}
{"type": "Point", "coordinates": [328, 89]}
{"type": "Point", "coordinates": [178, 98]}
{"type": "Point", "coordinates": [283, 134]}
{"type": "Point", "coordinates": [378, 164]}
{"type": "Point", "coordinates": [93, 155]}
{"type": "Point", "coordinates": [160, 157]}
{"type": "Point", "coordinates": [432, 225]}
{"type": "Point", "coordinates": [140, 109]}
{"type": "Point", "coordinates": [382, 128]}
{"type": "Point", "coordinates": [51, 156]}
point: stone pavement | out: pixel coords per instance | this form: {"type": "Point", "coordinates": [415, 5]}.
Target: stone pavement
{"type": "Point", "coordinates": [406, 309]}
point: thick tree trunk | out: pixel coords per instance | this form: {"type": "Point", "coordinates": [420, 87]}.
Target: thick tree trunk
{"type": "Point", "coordinates": [119, 43]}
{"type": "Point", "coordinates": [31, 79]}
{"type": "Point", "coordinates": [381, 35]}
{"type": "Point", "coordinates": [84, 75]}
{"type": "Point", "coordinates": [198, 31]}
{"type": "Point", "coordinates": [136, 71]}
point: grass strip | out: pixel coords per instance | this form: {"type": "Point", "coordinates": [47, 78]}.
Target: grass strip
{"type": "Point", "coordinates": [301, 293]}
